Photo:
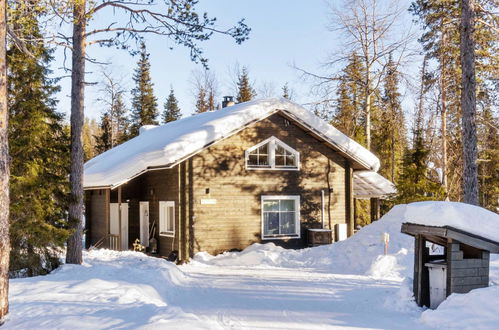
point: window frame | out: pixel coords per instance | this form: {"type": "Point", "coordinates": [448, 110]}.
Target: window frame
{"type": "Point", "coordinates": [296, 199]}
{"type": "Point", "coordinates": [162, 214]}
{"type": "Point", "coordinates": [273, 141]}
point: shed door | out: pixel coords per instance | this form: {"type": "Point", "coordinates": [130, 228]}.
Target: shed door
{"type": "Point", "coordinates": [144, 223]}
{"type": "Point", "coordinates": [114, 217]}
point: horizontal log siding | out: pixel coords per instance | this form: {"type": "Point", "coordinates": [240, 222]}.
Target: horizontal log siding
{"type": "Point", "coordinates": [235, 220]}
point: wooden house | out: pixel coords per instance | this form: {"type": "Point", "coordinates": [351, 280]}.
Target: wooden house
{"type": "Point", "coordinates": [260, 171]}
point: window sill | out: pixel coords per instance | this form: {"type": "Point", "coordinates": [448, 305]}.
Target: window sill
{"type": "Point", "coordinates": [166, 234]}
{"type": "Point", "coordinates": [267, 238]}
{"type": "Point", "coordinates": [272, 168]}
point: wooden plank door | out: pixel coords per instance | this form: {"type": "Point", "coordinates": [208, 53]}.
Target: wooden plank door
{"type": "Point", "coordinates": [114, 222]}
{"type": "Point", "coordinates": [144, 223]}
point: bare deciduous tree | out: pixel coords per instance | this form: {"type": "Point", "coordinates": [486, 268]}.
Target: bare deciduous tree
{"type": "Point", "coordinates": [205, 90]}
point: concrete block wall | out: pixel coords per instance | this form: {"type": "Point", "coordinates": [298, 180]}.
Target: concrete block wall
{"type": "Point", "coordinates": [464, 274]}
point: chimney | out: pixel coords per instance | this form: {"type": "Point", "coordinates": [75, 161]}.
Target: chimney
{"type": "Point", "coordinates": [228, 101]}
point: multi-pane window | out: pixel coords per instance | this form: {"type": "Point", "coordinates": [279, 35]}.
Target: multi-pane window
{"type": "Point", "coordinates": [272, 154]}
{"type": "Point", "coordinates": [280, 217]}
{"type": "Point", "coordinates": [167, 218]}
{"type": "Point", "coordinates": [259, 157]}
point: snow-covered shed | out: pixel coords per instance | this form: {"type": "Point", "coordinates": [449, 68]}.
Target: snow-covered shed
{"type": "Point", "coordinates": [263, 170]}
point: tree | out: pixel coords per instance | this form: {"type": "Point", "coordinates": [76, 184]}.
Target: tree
{"type": "Point", "coordinates": [4, 171]}
{"type": "Point", "coordinates": [368, 27]}
{"type": "Point", "coordinates": [115, 112]}
{"type": "Point", "coordinates": [468, 102]}
{"type": "Point", "coordinates": [245, 92]}
{"type": "Point", "coordinates": [40, 154]}
{"type": "Point", "coordinates": [286, 92]}
{"type": "Point", "coordinates": [104, 141]}
{"type": "Point", "coordinates": [349, 112]}
{"type": "Point", "coordinates": [176, 20]}
{"type": "Point", "coordinates": [205, 88]}
{"type": "Point", "coordinates": [172, 110]}
{"type": "Point", "coordinates": [90, 131]}
{"type": "Point", "coordinates": [389, 134]}
{"type": "Point", "coordinates": [144, 103]}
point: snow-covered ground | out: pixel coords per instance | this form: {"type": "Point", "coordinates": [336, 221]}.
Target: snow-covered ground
{"type": "Point", "coordinates": [345, 285]}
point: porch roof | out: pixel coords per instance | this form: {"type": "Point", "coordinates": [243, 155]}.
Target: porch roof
{"type": "Point", "coordinates": [369, 184]}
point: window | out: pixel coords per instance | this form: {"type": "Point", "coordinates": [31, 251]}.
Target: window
{"type": "Point", "coordinates": [272, 154]}
{"type": "Point", "coordinates": [167, 219]}
{"type": "Point", "coordinates": [280, 217]}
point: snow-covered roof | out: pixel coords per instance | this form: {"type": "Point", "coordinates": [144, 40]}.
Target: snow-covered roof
{"type": "Point", "coordinates": [171, 143]}
{"type": "Point", "coordinates": [369, 184]}
{"type": "Point", "coordinates": [469, 218]}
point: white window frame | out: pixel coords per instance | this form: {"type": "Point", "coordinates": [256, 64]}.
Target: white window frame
{"type": "Point", "coordinates": [296, 199]}
{"type": "Point", "coordinates": [273, 141]}
{"type": "Point", "coordinates": [162, 215]}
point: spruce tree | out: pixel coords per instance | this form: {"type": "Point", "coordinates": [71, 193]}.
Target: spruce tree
{"type": "Point", "coordinates": [201, 102]}
{"type": "Point", "coordinates": [349, 116]}
{"type": "Point", "coordinates": [389, 133]}
{"type": "Point", "coordinates": [172, 110]}
{"type": "Point", "coordinates": [144, 103]}
{"type": "Point", "coordinates": [104, 139]}
{"type": "Point", "coordinates": [39, 146]}
{"type": "Point", "coordinates": [286, 93]}
{"type": "Point", "coordinates": [245, 92]}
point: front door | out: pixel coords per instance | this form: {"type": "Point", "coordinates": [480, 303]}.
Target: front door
{"type": "Point", "coordinates": [144, 223]}
{"type": "Point", "coordinates": [114, 217]}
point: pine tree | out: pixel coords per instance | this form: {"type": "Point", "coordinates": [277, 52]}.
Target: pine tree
{"type": "Point", "coordinates": [488, 163]}
{"type": "Point", "coordinates": [40, 157]}
{"type": "Point", "coordinates": [245, 92]}
{"type": "Point", "coordinates": [144, 103]}
{"type": "Point", "coordinates": [172, 110]}
{"type": "Point", "coordinates": [90, 131]}
{"type": "Point", "coordinates": [389, 134]}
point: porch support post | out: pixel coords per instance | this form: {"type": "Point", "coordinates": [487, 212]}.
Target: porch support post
{"type": "Point", "coordinates": [107, 213]}
{"type": "Point", "coordinates": [119, 219]}
{"type": "Point", "coordinates": [349, 198]}
{"type": "Point", "coordinates": [375, 209]}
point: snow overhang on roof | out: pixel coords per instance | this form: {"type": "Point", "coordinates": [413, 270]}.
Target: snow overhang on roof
{"type": "Point", "coordinates": [369, 184]}
{"type": "Point", "coordinates": [167, 145]}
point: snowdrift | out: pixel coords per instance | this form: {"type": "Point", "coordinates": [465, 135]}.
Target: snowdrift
{"type": "Point", "coordinates": [362, 254]}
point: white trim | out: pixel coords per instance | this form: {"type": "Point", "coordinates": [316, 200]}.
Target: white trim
{"type": "Point", "coordinates": [296, 198]}
{"type": "Point", "coordinates": [143, 218]}
{"type": "Point", "coordinates": [273, 141]}
{"type": "Point", "coordinates": [161, 205]}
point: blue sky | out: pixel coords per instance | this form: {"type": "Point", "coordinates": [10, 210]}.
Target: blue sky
{"type": "Point", "coordinates": [284, 32]}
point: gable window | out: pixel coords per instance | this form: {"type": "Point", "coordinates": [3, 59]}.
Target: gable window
{"type": "Point", "coordinates": [167, 219]}
{"type": "Point", "coordinates": [272, 154]}
{"type": "Point", "coordinates": [280, 217]}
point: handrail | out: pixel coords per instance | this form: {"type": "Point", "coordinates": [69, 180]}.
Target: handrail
{"type": "Point", "coordinates": [112, 240]}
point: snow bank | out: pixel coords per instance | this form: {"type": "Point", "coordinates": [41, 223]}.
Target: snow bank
{"type": "Point", "coordinates": [362, 254]}
{"type": "Point", "coordinates": [474, 310]}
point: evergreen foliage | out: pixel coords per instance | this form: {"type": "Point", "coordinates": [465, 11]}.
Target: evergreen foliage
{"type": "Point", "coordinates": [389, 135]}
{"type": "Point", "coordinates": [488, 160]}
{"type": "Point", "coordinates": [349, 116]}
{"type": "Point", "coordinates": [103, 141]}
{"type": "Point", "coordinates": [245, 92]}
{"type": "Point", "coordinates": [90, 131]}
{"type": "Point", "coordinates": [144, 103]}
{"type": "Point", "coordinates": [39, 147]}
{"type": "Point", "coordinates": [201, 102]}
{"type": "Point", "coordinates": [286, 93]}
{"type": "Point", "coordinates": [172, 110]}
{"type": "Point", "coordinates": [113, 125]}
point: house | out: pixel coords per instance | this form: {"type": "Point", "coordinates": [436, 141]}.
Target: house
{"type": "Point", "coordinates": [260, 171]}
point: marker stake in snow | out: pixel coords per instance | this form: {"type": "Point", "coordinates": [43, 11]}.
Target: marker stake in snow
{"type": "Point", "coordinates": [385, 238]}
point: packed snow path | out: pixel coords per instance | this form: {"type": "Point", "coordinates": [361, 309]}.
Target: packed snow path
{"type": "Point", "coordinates": [280, 298]}
{"type": "Point", "coordinates": [128, 290]}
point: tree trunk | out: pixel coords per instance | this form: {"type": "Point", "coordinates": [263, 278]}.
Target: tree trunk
{"type": "Point", "coordinates": [74, 246]}
{"type": "Point", "coordinates": [443, 100]}
{"type": "Point", "coordinates": [468, 103]}
{"type": "Point", "coordinates": [4, 171]}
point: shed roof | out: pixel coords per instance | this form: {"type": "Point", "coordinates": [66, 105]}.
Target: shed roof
{"type": "Point", "coordinates": [369, 184]}
{"type": "Point", "coordinates": [167, 145]}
